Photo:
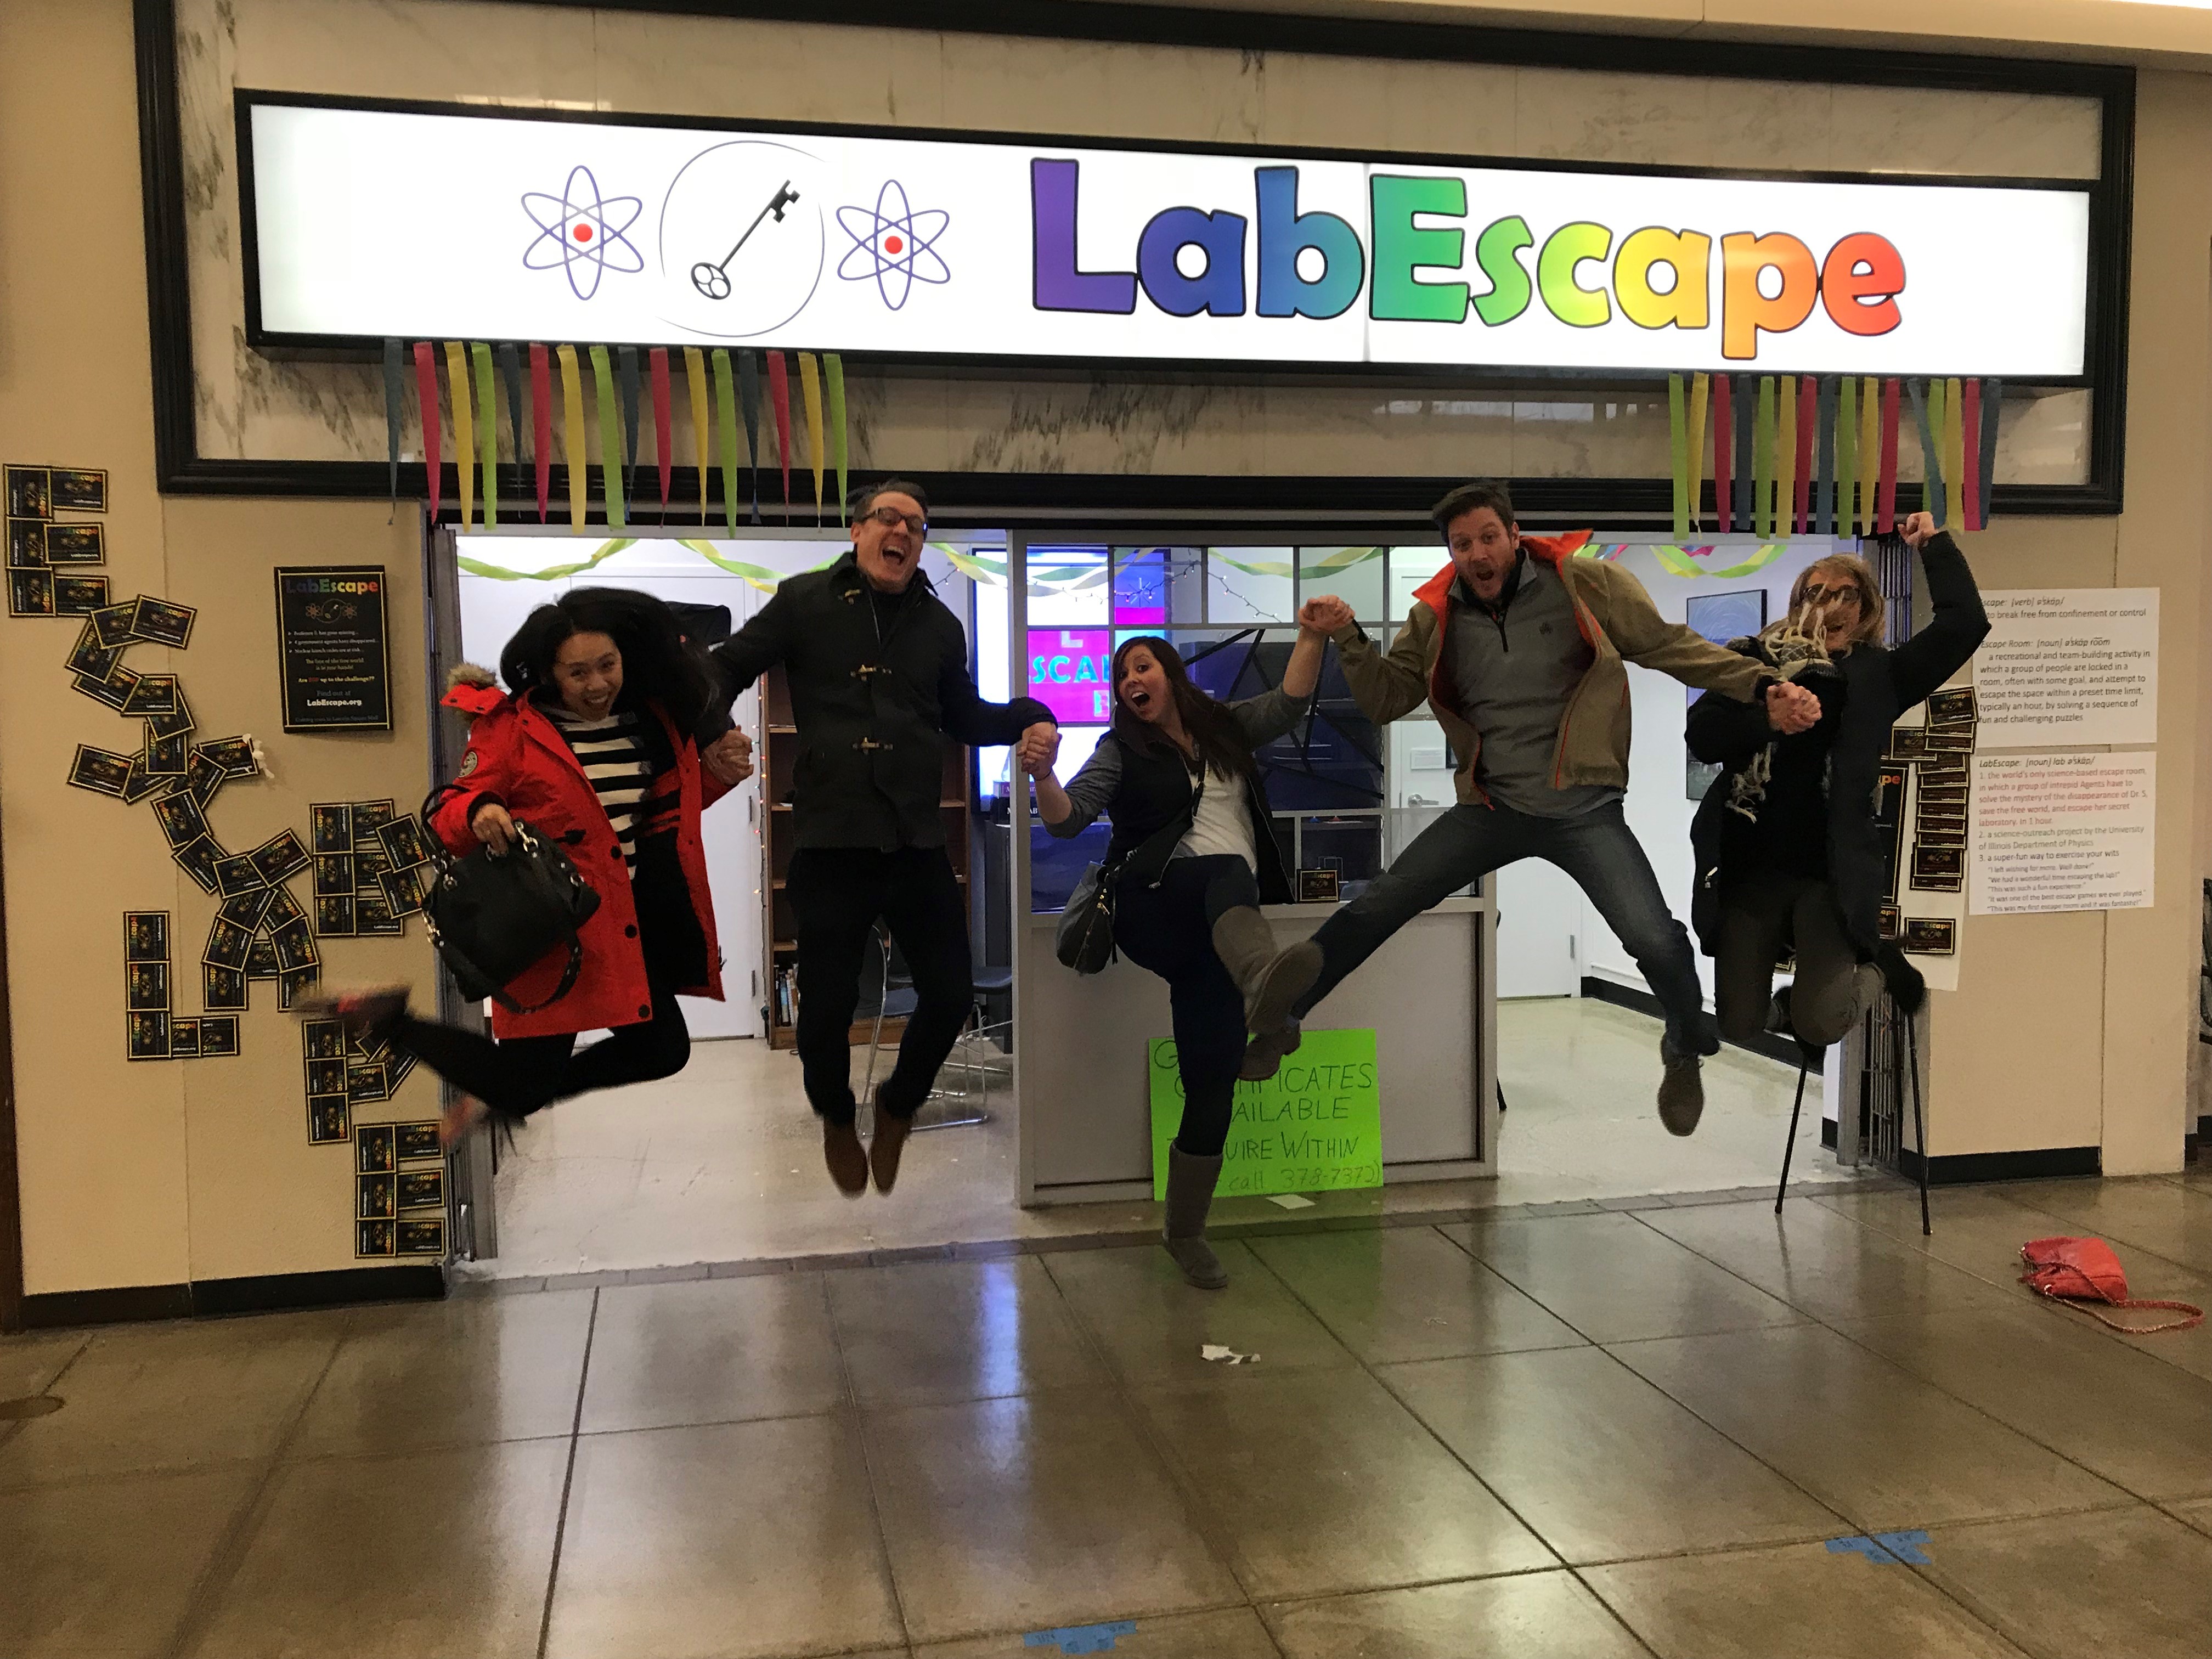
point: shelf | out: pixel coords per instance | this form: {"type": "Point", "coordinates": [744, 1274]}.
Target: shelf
{"type": "Point", "coordinates": [783, 731]}
{"type": "Point", "coordinates": [784, 944]}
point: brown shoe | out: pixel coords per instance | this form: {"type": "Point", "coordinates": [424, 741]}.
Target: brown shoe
{"type": "Point", "coordinates": [1682, 1091]}
{"type": "Point", "coordinates": [884, 1150]}
{"type": "Point", "coordinates": [845, 1158]}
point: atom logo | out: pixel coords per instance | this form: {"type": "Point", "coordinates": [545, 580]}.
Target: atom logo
{"type": "Point", "coordinates": [894, 245]}
{"type": "Point", "coordinates": [581, 233]}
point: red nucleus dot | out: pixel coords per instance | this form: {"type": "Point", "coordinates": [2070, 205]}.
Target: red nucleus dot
{"type": "Point", "coordinates": [583, 233]}
{"type": "Point", "coordinates": [892, 244]}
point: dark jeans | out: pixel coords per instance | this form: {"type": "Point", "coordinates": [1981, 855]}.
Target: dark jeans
{"type": "Point", "coordinates": [1169, 930]}
{"type": "Point", "coordinates": [1763, 914]}
{"type": "Point", "coordinates": [1596, 848]}
{"type": "Point", "coordinates": [525, 1074]}
{"type": "Point", "coordinates": [836, 895]}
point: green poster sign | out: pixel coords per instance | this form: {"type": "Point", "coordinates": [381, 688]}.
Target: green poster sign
{"type": "Point", "coordinates": [1316, 1125]}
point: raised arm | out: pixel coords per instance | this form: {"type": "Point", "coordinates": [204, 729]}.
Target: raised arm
{"type": "Point", "coordinates": [1385, 685]}
{"type": "Point", "coordinates": [763, 642]}
{"type": "Point", "coordinates": [1268, 716]}
{"type": "Point", "coordinates": [1958, 626]}
{"type": "Point", "coordinates": [1642, 635]}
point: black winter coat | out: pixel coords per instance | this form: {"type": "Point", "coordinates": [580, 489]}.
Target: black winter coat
{"type": "Point", "coordinates": [1879, 683]}
{"type": "Point", "coordinates": [879, 683]}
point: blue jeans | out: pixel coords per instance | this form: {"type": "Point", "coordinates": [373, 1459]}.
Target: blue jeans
{"type": "Point", "coordinates": [1596, 848]}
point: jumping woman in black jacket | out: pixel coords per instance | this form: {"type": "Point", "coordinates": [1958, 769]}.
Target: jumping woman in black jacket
{"type": "Point", "coordinates": [1787, 852]}
{"type": "Point", "coordinates": [1197, 857]}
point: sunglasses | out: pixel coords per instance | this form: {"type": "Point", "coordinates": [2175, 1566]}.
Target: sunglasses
{"type": "Point", "coordinates": [891, 518]}
{"type": "Point", "coordinates": [1817, 594]}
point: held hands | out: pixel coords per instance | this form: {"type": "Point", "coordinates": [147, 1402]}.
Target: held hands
{"type": "Point", "coordinates": [1791, 709]}
{"type": "Point", "coordinates": [729, 757]}
{"type": "Point", "coordinates": [1325, 615]}
{"type": "Point", "coordinates": [493, 827]}
{"type": "Point", "coordinates": [1918, 527]}
{"type": "Point", "coordinates": [1038, 749]}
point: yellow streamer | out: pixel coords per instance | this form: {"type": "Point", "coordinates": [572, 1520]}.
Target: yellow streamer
{"type": "Point", "coordinates": [464, 430]}
{"type": "Point", "coordinates": [572, 438]}
{"type": "Point", "coordinates": [809, 381]}
{"type": "Point", "coordinates": [694, 371]}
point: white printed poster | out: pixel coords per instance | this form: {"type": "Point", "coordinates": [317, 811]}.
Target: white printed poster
{"type": "Point", "coordinates": [2068, 667]}
{"type": "Point", "coordinates": [2063, 832]}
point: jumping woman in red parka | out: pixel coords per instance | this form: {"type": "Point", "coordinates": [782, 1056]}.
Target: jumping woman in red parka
{"type": "Point", "coordinates": [594, 748]}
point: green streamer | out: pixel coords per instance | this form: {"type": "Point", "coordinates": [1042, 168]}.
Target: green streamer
{"type": "Point", "coordinates": [1762, 461]}
{"type": "Point", "coordinates": [611, 476]}
{"type": "Point", "coordinates": [1847, 456]}
{"type": "Point", "coordinates": [726, 409]}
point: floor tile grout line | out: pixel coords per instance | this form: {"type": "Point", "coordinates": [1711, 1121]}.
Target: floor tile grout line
{"type": "Point", "coordinates": [1879, 1357]}
{"type": "Point", "coordinates": [1205, 1518]}
{"type": "Point", "coordinates": [9, 1430]}
{"type": "Point", "coordinates": [568, 1480]}
{"type": "Point", "coordinates": [859, 1421]}
{"type": "Point", "coordinates": [1314, 1314]}
{"type": "Point", "coordinates": [229, 1552]}
{"type": "Point", "coordinates": [1991, 1189]}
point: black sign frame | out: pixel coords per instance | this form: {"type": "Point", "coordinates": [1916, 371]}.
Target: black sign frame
{"type": "Point", "coordinates": [298, 625]}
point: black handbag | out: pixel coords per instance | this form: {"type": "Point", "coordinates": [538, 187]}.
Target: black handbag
{"type": "Point", "coordinates": [1083, 940]}
{"type": "Point", "coordinates": [494, 915]}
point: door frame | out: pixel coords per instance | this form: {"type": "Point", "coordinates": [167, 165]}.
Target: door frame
{"type": "Point", "coordinates": [11, 1193]}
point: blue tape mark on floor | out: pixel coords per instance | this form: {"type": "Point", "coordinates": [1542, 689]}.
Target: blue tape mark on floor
{"type": "Point", "coordinates": [1885, 1547]}
{"type": "Point", "coordinates": [1082, 1639]}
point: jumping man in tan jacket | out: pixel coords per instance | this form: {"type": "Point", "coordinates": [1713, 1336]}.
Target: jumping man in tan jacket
{"type": "Point", "coordinates": [1520, 647]}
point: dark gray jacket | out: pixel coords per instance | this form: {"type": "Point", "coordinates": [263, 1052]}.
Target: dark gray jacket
{"type": "Point", "coordinates": [879, 683]}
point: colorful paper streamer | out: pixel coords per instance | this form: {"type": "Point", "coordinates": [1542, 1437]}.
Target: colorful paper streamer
{"type": "Point", "coordinates": [749, 405]}
{"type": "Point", "coordinates": [1870, 454]}
{"type": "Point", "coordinates": [726, 411]}
{"type": "Point", "coordinates": [1678, 433]}
{"type": "Point", "coordinates": [572, 440]}
{"type": "Point", "coordinates": [1824, 459]}
{"type": "Point", "coordinates": [664, 424]}
{"type": "Point", "coordinates": [1847, 455]}
{"type": "Point", "coordinates": [1700, 390]}
{"type": "Point", "coordinates": [1808, 428]}
{"type": "Point", "coordinates": [465, 435]}
{"type": "Point", "coordinates": [810, 385]}
{"type": "Point", "coordinates": [488, 406]}
{"type": "Point", "coordinates": [611, 472]}
{"type": "Point", "coordinates": [509, 358]}
{"type": "Point", "coordinates": [626, 375]}
{"type": "Point", "coordinates": [426, 395]}
{"type": "Point", "coordinates": [833, 374]}
{"type": "Point", "coordinates": [541, 421]}
{"type": "Point", "coordinates": [1954, 439]}
{"type": "Point", "coordinates": [1723, 451]}
{"type": "Point", "coordinates": [1992, 402]}
{"type": "Point", "coordinates": [694, 374]}
{"type": "Point", "coordinates": [1885, 519]}
{"type": "Point", "coordinates": [778, 403]}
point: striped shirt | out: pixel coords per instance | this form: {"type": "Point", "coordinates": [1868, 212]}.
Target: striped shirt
{"type": "Point", "coordinates": [613, 753]}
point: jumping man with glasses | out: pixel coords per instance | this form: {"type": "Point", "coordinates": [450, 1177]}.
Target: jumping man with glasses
{"type": "Point", "coordinates": [877, 669]}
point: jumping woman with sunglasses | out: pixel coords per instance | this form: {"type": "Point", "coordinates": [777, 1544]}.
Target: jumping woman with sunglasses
{"type": "Point", "coordinates": [1197, 857]}
{"type": "Point", "coordinates": [1788, 856]}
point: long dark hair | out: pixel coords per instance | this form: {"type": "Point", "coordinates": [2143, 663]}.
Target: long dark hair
{"type": "Point", "coordinates": [1220, 742]}
{"type": "Point", "coordinates": [657, 665]}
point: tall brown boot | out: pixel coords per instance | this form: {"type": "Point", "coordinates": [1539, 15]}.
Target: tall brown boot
{"type": "Point", "coordinates": [1190, 1194]}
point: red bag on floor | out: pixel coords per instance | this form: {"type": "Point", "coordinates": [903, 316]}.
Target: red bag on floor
{"type": "Point", "coordinates": [2079, 1270]}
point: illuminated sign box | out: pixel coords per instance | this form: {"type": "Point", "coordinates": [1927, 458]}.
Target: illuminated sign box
{"type": "Point", "coordinates": [366, 222]}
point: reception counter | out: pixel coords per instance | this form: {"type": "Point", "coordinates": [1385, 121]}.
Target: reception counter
{"type": "Point", "coordinates": [1080, 1085]}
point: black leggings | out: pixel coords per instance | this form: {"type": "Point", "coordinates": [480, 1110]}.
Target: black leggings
{"type": "Point", "coordinates": [525, 1074]}
{"type": "Point", "coordinates": [1168, 929]}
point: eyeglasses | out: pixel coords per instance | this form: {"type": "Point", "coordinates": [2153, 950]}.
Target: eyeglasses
{"type": "Point", "coordinates": [1817, 594]}
{"type": "Point", "coordinates": [891, 518]}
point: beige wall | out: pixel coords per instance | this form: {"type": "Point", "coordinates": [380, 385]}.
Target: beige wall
{"type": "Point", "coordinates": [154, 1172]}
{"type": "Point", "coordinates": [2069, 1030]}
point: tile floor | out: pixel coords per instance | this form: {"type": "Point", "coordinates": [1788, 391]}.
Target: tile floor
{"type": "Point", "coordinates": [1583, 1434]}
{"type": "Point", "coordinates": [723, 1163]}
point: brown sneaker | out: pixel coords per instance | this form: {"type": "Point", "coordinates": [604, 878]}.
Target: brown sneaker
{"type": "Point", "coordinates": [885, 1147]}
{"type": "Point", "coordinates": [1682, 1091]}
{"type": "Point", "coordinates": [846, 1159]}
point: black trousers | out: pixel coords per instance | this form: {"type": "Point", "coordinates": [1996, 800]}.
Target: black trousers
{"type": "Point", "coordinates": [836, 895]}
{"type": "Point", "coordinates": [1169, 930]}
{"type": "Point", "coordinates": [526, 1074]}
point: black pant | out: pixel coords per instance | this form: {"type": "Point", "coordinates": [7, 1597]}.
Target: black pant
{"type": "Point", "coordinates": [1168, 929]}
{"type": "Point", "coordinates": [524, 1074]}
{"type": "Point", "coordinates": [836, 894]}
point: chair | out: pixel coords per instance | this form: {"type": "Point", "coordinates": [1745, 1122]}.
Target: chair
{"type": "Point", "coordinates": [1911, 1067]}
{"type": "Point", "coordinates": [896, 998]}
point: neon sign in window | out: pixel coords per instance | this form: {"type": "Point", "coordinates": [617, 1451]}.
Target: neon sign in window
{"type": "Point", "coordinates": [1069, 671]}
